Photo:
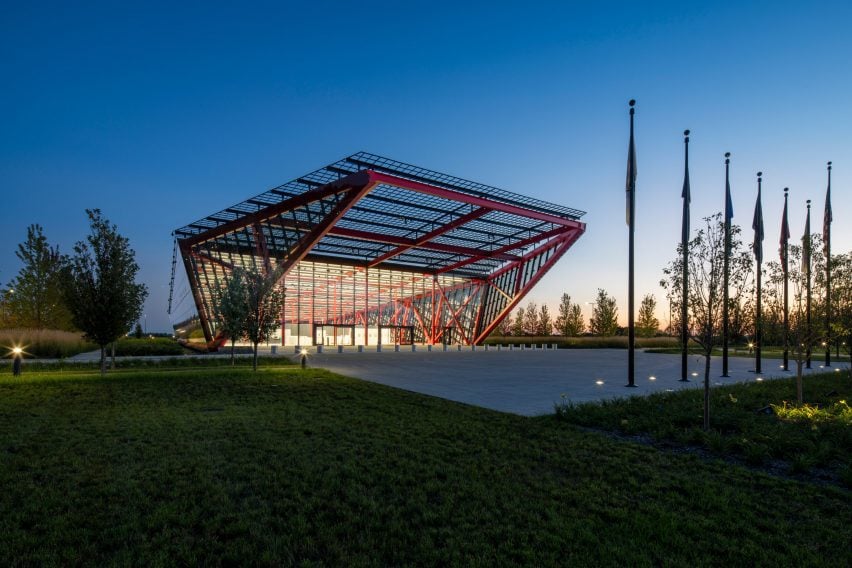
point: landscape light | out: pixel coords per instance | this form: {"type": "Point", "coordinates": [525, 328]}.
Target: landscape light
{"type": "Point", "coordinates": [758, 379]}
{"type": "Point", "coordinates": [694, 374]}
{"type": "Point", "coordinates": [652, 378]}
{"type": "Point", "coordinates": [599, 382]}
{"type": "Point", "coordinates": [17, 350]}
{"type": "Point", "coordinates": [750, 345]}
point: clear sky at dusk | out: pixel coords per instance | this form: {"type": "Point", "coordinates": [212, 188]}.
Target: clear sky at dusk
{"type": "Point", "coordinates": [162, 114]}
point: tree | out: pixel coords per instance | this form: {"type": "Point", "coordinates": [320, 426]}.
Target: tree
{"type": "Point", "coordinates": [137, 331]}
{"type": "Point", "coordinates": [569, 322]}
{"type": "Point", "coordinates": [518, 324]}
{"type": "Point", "coordinates": [265, 300]}
{"type": "Point", "coordinates": [648, 324]}
{"type": "Point", "coordinates": [99, 284]}
{"type": "Point", "coordinates": [531, 319]}
{"type": "Point", "coordinates": [37, 301]}
{"type": "Point", "coordinates": [841, 284]}
{"type": "Point", "coordinates": [604, 320]}
{"type": "Point", "coordinates": [231, 306]}
{"type": "Point", "coordinates": [504, 328]}
{"type": "Point", "coordinates": [545, 323]}
{"type": "Point", "coordinates": [706, 265]}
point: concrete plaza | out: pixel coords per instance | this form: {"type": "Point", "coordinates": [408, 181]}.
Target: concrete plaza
{"type": "Point", "coordinates": [530, 382]}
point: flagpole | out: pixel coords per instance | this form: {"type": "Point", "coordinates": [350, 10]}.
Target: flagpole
{"type": "Point", "coordinates": [729, 213]}
{"type": "Point", "coordinates": [806, 261]}
{"type": "Point", "coordinates": [826, 230]}
{"type": "Point", "coordinates": [631, 181]}
{"type": "Point", "coordinates": [757, 225]}
{"type": "Point", "coordinates": [684, 243]}
{"type": "Point", "coordinates": [785, 237]}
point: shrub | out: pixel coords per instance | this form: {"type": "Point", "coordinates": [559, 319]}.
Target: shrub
{"type": "Point", "coordinates": [130, 346]}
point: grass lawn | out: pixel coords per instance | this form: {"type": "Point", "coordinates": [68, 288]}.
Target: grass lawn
{"type": "Point", "coordinates": [221, 466]}
{"type": "Point", "coordinates": [756, 421]}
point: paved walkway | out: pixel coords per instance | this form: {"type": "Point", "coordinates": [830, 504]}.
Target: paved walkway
{"type": "Point", "coordinates": [528, 382]}
{"type": "Point", "coordinates": [531, 382]}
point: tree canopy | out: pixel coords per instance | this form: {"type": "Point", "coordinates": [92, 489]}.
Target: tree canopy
{"type": "Point", "coordinates": [99, 284]}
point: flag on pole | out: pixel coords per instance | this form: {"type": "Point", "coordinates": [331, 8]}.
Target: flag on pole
{"type": "Point", "coordinates": [631, 169]}
{"type": "Point", "coordinates": [757, 225]}
{"type": "Point", "coordinates": [785, 231]}
{"type": "Point", "coordinates": [685, 194]}
{"type": "Point", "coordinates": [827, 216]}
{"type": "Point", "coordinates": [729, 205]}
{"type": "Point", "coordinates": [806, 243]}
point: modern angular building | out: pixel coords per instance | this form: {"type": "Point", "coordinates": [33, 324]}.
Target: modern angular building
{"type": "Point", "coordinates": [374, 251]}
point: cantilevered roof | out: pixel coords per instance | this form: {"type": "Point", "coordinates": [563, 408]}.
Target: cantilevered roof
{"type": "Point", "coordinates": [407, 217]}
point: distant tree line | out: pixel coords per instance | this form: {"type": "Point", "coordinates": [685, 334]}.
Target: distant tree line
{"type": "Point", "coordinates": [534, 320]}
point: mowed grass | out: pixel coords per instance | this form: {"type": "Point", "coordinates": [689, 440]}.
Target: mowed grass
{"type": "Point", "coordinates": [758, 422]}
{"type": "Point", "coordinates": [223, 466]}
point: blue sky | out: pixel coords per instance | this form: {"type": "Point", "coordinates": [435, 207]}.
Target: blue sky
{"type": "Point", "coordinates": [161, 114]}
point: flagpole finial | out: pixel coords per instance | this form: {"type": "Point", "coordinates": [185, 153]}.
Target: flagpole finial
{"type": "Point", "coordinates": [786, 190]}
{"type": "Point", "coordinates": [632, 103]}
{"type": "Point", "coordinates": [759, 175]}
{"type": "Point", "coordinates": [809, 203]}
{"type": "Point", "coordinates": [829, 166]}
{"type": "Point", "coordinates": [727, 158]}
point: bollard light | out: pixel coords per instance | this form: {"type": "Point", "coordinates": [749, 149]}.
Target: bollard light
{"type": "Point", "coordinates": [17, 354]}
{"type": "Point", "coordinates": [304, 358]}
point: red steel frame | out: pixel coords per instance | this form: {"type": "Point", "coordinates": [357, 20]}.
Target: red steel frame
{"type": "Point", "coordinates": [518, 272]}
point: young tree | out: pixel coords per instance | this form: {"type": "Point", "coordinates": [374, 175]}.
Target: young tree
{"type": "Point", "coordinates": [518, 324]}
{"type": "Point", "coordinates": [604, 320]}
{"type": "Point", "coordinates": [137, 331]}
{"type": "Point", "coordinates": [648, 324]}
{"type": "Point", "coordinates": [562, 313]}
{"type": "Point", "coordinates": [504, 328]}
{"type": "Point", "coordinates": [231, 306]}
{"type": "Point", "coordinates": [545, 324]}
{"type": "Point", "coordinates": [841, 284]}
{"type": "Point", "coordinates": [265, 299]}
{"type": "Point", "coordinates": [531, 319]}
{"type": "Point", "coordinates": [575, 325]}
{"type": "Point", "coordinates": [37, 301]}
{"type": "Point", "coordinates": [706, 261]}
{"type": "Point", "coordinates": [569, 322]}
{"type": "Point", "coordinates": [100, 286]}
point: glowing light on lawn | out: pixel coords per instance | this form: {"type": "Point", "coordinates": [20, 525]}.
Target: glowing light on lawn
{"type": "Point", "coordinates": [599, 382]}
{"type": "Point", "coordinates": [652, 378]}
{"type": "Point", "coordinates": [758, 379]}
{"type": "Point", "coordinates": [304, 351]}
{"type": "Point", "coordinates": [694, 374]}
{"type": "Point", "coordinates": [17, 350]}
{"type": "Point", "coordinates": [837, 370]}
{"type": "Point", "coordinates": [750, 345]}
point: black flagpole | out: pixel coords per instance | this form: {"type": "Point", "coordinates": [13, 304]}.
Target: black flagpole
{"type": "Point", "coordinates": [631, 221]}
{"type": "Point", "coordinates": [684, 243]}
{"type": "Point", "coordinates": [757, 225]}
{"type": "Point", "coordinates": [785, 237]}
{"type": "Point", "coordinates": [806, 262]}
{"type": "Point", "coordinates": [729, 213]}
{"type": "Point", "coordinates": [826, 233]}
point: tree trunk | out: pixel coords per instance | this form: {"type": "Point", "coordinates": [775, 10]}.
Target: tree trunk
{"type": "Point", "coordinates": [799, 380]}
{"type": "Point", "coordinates": [254, 361]}
{"type": "Point", "coordinates": [233, 341]}
{"type": "Point", "coordinates": [103, 360]}
{"type": "Point", "coordinates": [707, 390]}
{"type": "Point", "coordinates": [112, 360]}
